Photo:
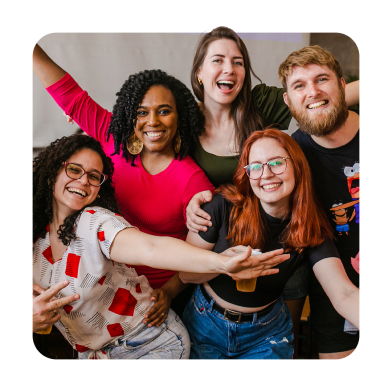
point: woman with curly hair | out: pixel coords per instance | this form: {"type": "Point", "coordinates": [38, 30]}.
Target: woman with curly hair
{"type": "Point", "coordinates": [83, 250]}
{"type": "Point", "coordinates": [154, 124]}
{"type": "Point", "coordinates": [270, 206]}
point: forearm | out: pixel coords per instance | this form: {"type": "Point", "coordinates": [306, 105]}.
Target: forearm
{"type": "Point", "coordinates": [174, 286]}
{"type": "Point", "coordinates": [352, 93]}
{"type": "Point", "coordinates": [136, 248]}
{"type": "Point", "coordinates": [189, 277]}
{"type": "Point", "coordinates": [348, 306]}
{"type": "Point", "coordinates": [45, 68]}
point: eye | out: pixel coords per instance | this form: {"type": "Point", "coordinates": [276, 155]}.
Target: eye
{"type": "Point", "coordinates": [217, 61]}
{"type": "Point", "coordinates": [141, 113]}
{"type": "Point", "coordinates": [255, 166]}
{"type": "Point", "coordinates": [321, 80]}
{"type": "Point", "coordinates": [298, 86]}
{"type": "Point", "coordinates": [276, 162]}
{"type": "Point", "coordinates": [74, 169]}
{"type": "Point", "coordinates": [356, 168]}
{"type": "Point", "coordinates": [349, 171]}
{"type": "Point", "coordinates": [164, 111]}
{"type": "Point", "coordinates": [95, 176]}
{"type": "Point", "coordinates": [240, 63]}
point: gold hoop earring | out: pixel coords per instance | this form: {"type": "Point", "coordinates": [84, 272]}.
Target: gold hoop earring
{"type": "Point", "coordinates": [177, 142]}
{"type": "Point", "coordinates": [200, 81]}
{"type": "Point", "coordinates": [98, 197]}
{"type": "Point", "coordinates": [134, 145]}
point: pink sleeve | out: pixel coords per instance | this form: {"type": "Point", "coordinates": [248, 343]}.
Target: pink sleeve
{"type": "Point", "coordinates": [198, 182]}
{"type": "Point", "coordinates": [76, 103]}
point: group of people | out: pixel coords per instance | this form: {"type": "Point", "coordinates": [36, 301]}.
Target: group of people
{"type": "Point", "coordinates": [113, 211]}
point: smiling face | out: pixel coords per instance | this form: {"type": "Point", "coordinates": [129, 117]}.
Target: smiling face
{"type": "Point", "coordinates": [157, 121]}
{"type": "Point", "coordinates": [71, 195]}
{"type": "Point", "coordinates": [316, 99]}
{"type": "Point", "coordinates": [273, 190]}
{"type": "Point", "coordinates": [222, 72]}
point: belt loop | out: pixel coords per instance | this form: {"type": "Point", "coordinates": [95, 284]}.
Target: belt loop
{"type": "Point", "coordinates": [254, 318]}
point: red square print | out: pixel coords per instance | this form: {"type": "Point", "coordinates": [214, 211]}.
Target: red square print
{"type": "Point", "coordinates": [123, 303]}
{"type": "Point", "coordinates": [102, 280]}
{"type": "Point", "coordinates": [101, 235]}
{"type": "Point", "coordinates": [91, 211]}
{"type": "Point", "coordinates": [67, 308]}
{"type": "Point", "coordinates": [72, 265]}
{"type": "Point", "coordinates": [138, 288]}
{"type": "Point", "coordinates": [115, 330]}
{"type": "Point", "coordinates": [80, 348]}
{"type": "Point", "coordinates": [47, 253]}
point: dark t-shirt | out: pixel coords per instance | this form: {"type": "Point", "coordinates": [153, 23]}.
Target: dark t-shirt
{"type": "Point", "coordinates": [335, 173]}
{"type": "Point", "coordinates": [268, 288]}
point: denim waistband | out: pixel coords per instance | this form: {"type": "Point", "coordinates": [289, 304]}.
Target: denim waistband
{"type": "Point", "coordinates": [233, 315]}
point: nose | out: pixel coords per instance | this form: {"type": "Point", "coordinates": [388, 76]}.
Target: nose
{"type": "Point", "coordinates": [84, 179]}
{"type": "Point", "coordinates": [152, 119]}
{"type": "Point", "coordinates": [313, 90]}
{"type": "Point", "coordinates": [267, 173]}
{"type": "Point", "coordinates": [228, 68]}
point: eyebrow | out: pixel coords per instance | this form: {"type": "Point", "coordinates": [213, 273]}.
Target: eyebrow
{"type": "Point", "coordinates": [317, 76]}
{"type": "Point", "coordinates": [269, 159]}
{"type": "Point", "coordinates": [159, 106]}
{"type": "Point", "coordinates": [221, 55]}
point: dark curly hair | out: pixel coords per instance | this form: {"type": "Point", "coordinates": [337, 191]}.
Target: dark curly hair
{"type": "Point", "coordinates": [46, 168]}
{"type": "Point", "coordinates": [123, 122]}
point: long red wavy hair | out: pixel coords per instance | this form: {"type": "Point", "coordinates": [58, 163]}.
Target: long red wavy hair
{"type": "Point", "coordinates": [308, 226]}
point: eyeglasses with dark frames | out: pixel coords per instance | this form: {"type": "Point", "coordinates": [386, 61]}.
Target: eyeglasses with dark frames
{"type": "Point", "coordinates": [75, 171]}
{"type": "Point", "coordinates": [276, 166]}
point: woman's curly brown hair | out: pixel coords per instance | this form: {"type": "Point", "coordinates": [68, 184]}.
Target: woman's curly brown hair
{"type": "Point", "coordinates": [123, 122]}
{"type": "Point", "coordinates": [46, 168]}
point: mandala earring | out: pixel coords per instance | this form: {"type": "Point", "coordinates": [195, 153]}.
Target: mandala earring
{"type": "Point", "coordinates": [177, 142]}
{"type": "Point", "coordinates": [134, 145]}
{"type": "Point", "coordinates": [200, 81]}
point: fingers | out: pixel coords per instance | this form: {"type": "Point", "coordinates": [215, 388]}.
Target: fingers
{"type": "Point", "coordinates": [48, 294]}
{"type": "Point", "coordinates": [37, 290]}
{"type": "Point", "coordinates": [198, 220]}
{"type": "Point", "coordinates": [60, 302]}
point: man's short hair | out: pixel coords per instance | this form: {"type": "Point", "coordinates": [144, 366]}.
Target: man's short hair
{"type": "Point", "coordinates": [306, 56]}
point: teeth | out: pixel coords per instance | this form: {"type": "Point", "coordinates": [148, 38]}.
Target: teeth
{"type": "Point", "coordinates": [154, 134]}
{"type": "Point", "coordinates": [225, 82]}
{"type": "Point", "coordinates": [271, 186]}
{"type": "Point", "coordinates": [316, 104]}
{"type": "Point", "coordinates": [78, 191]}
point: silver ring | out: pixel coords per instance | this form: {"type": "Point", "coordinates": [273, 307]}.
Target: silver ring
{"type": "Point", "coordinates": [162, 314]}
{"type": "Point", "coordinates": [54, 312]}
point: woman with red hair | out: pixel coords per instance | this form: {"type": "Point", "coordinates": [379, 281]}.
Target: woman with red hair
{"type": "Point", "coordinates": [270, 206]}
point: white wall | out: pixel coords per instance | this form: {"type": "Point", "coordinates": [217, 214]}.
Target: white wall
{"type": "Point", "coordinates": [101, 63]}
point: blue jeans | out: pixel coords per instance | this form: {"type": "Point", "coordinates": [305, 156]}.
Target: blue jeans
{"type": "Point", "coordinates": [214, 337]}
{"type": "Point", "coordinates": [168, 341]}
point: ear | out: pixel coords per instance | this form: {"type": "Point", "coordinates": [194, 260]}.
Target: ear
{"type": "Point", "coordinates": [285, 98]}
{"type": "Point", "coordinates": [198, 73]}
{"type": "Point", "coordinates": [343, 83]}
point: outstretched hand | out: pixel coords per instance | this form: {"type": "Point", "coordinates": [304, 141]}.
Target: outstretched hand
{"type": "Point", "coordinates": [46, 305]}
{"type": "Point", "coordinates": [196, 218]}
{"type": "Point", "coordinates": [244, 266]}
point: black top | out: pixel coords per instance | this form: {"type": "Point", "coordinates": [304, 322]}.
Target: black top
{"type": "Point", "coordinates": [268, 288]}
{"type": "Point", "coordinates": [335, 173]}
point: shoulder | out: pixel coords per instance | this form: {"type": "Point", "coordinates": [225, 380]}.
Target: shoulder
{"type": "Point", "coordinates": [95, 216]}
{"type": "Point", "coordinates": [323, 251]}
{"type": "Point", "coordinates": [187, 165]}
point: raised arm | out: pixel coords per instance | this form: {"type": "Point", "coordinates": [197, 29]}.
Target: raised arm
{"type": "Point", "coordinates": [131, 246]}
{"type": "Point", "coordinates": [352, 93]}
{"type": "Point", "coordinates": [45, 68]}
{"type": "Point", "coordinates": [343, 294]}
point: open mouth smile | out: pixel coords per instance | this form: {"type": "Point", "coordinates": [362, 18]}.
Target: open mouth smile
{"type": "Point", "coordinates": [225, 85]}
{"type": "Point", "coordinates": [153, 135]}
{"type": "Point", "coordinates": [317, 104]}
{"type": "Point", "coordinates": [77, 191]}
{"type": "Point", "coordinates": [268, 187]}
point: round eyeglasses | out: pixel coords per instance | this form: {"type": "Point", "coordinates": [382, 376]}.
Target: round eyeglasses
{"type": "Point", "coordinates": [75, 171]}
{"type": "Point", "coordinates": [276, 166]}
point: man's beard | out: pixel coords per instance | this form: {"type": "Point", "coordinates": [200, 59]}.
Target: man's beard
{"type": "Point", "coordinates": [324, 124]}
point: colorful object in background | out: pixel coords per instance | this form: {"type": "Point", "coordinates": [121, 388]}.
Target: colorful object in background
{"type": "Point", "coordinates": [355, 262]}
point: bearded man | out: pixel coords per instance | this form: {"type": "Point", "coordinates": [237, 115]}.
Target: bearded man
{"type": "Point", "coordinates": [328, 135]}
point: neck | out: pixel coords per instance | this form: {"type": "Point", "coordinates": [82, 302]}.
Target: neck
{"type": "Point", "coordinates": [216, 114]}
{"type": "Point", "coordinates": [277, 211]}
{"type": "Point", "coordinates": [341, 136]}
{"type": "Point", "coordinates": [156, 162]}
